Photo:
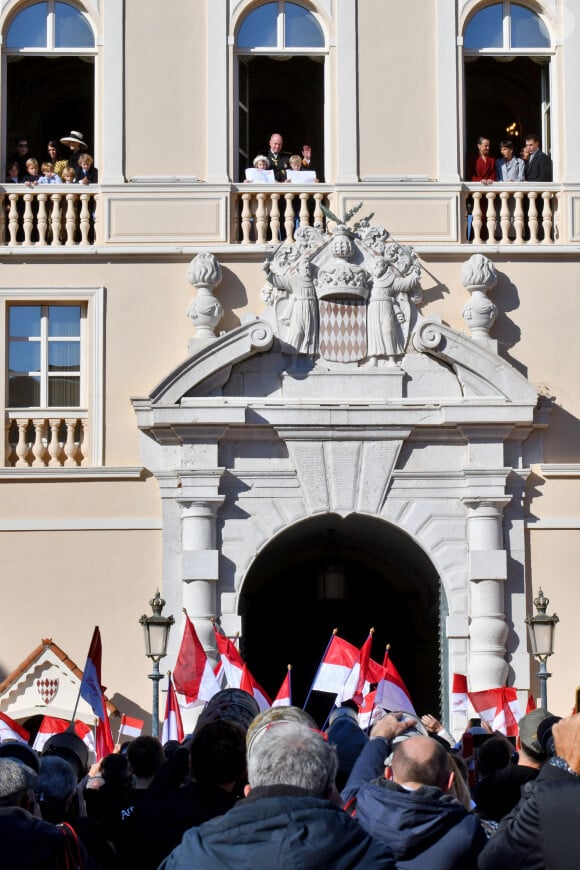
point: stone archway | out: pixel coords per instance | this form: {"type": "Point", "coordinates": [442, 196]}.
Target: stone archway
{"type": "Point", "coordinates": [350, 573]}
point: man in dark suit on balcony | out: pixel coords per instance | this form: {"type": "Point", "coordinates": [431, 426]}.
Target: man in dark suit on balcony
{"type": "Point", "coordinates": [279, 160]}
{"type": "Point", "coordinates": [538, 164]}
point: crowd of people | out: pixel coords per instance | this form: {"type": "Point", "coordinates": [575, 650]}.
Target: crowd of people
{"type": "Point", "coordinates": [264, 790]}
{"type": "Point", "coordinates": [76, 166]}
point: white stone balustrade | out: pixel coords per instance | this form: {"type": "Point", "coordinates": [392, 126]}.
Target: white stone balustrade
{"type": "Point", "coordinates": [48, 216]}
{"type": "Point", "coordinates": [262, 214]}
{"type": "Point", "coordinates": [58, 441]}
{"type": "Point", "coordinates": [511, 214]}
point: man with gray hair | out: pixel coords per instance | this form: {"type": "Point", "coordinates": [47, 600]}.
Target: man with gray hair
{"type": "Point", "coordinates": [290, 817]}
{"type": "Point", "coordinates": [28, 843]}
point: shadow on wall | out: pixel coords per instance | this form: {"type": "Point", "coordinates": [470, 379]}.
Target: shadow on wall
{"type": "Point", "coordinates": [507, 333]}
{"type": "Point", "coordinates": [232, 295]}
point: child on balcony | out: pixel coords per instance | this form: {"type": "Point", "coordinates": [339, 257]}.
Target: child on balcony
{"type": "Point", "coordinates": [32, 177]}
{"type": "Point", "coordinates": [68, 175]}
{"type": "Point", "coordinates": [13, 172]}
{"type": "Point", "coordinates": [86, 172]}
{"type": "Point", "coordinates": [49, 176]}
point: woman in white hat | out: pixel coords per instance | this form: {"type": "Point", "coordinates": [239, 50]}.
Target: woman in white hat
{"type": "Point", "coordinates": [77, 147]}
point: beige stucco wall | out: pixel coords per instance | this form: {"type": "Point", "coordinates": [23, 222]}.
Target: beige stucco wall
{"type": "Point", "coordinates": [397, 89]}
{"type": "Point", "coordinates": [165, 88]}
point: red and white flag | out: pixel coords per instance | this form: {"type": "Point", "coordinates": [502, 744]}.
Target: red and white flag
{"type": "Point", "coordinates": [459, 695]}
{"type": "Point", "coordinates": [51, 725]}
{"type": "Point", "coordinates": [130, 727]}
{"type": "Point", "coordinates": [499, 708]}
{"type": "Point", "coordinates": [11, 730]}
{"type": "Point", "coordinates": [335, 667]}
{"type": "Point", "coordinates": [92, 691]}
{"type": "Point", "coordinates": [284, 696]}
{"type": "Point", "coordinates": [172, 724]}
{"type": "Point", "coordinates": [193, 674]}
{"type": "Point", "coordinates": [531, 705]}
{"type": "Point", "coordinates": [392, 693]}
{"type": "Point", "coordinates": [364, 672]}
{"type": "Point", "coordinates": [232, 663]}
{"type": "Point", "coordinates": [368, 712]}
{"type": "Point", "coordinates": [250, 685]}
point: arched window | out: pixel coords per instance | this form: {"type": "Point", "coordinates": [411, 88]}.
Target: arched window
{"type": "Point", "coordinates": [507, 51]}
{"type": "Point", "coordinates": [50, 49]}
{"type": "Point", "coordinates": [272, 94]}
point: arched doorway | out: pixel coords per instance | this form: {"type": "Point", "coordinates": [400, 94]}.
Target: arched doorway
{"type": "Point", "coordinates": [351, 574]}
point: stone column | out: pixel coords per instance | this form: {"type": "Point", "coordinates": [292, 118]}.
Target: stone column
{"type": "Point", "coordinates": [487, 574]}
{"type": "Point", "coordinates": [200, 558]}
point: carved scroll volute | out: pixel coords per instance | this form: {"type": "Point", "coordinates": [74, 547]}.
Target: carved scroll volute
{"type": "Point", "coordinates": [478, 276]}
{"type": "Point", "coordinates": [205, 310]}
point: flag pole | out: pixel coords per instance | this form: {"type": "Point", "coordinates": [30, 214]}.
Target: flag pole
{"type": "Point", "coordinates": [332, 636]}
{"type": "Point", "coordinates": [74, 713]}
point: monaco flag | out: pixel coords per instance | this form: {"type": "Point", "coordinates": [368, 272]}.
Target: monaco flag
{"type": "Point", "coordinates": [336, 666]}
{"type": "Point", "coordinates": [499, 708]}
{"type": "Point", "coordinates": [459, 695]}
{"type": "Point", "coordinates": [130, 727]}
{"type": "Point", "coordinates": [230, 658]}
{"type": "Point", "coordinates": [250, 685]}
{"type": "Point", "coordinates": [172, 724]}
{"type": "Point", "coordinates": [392, 693]}
{"type": "Point", "coordinates": [11, 730]}
{"type": "Point", "coordinates": [193, 675]}
{"type": "Point", "coordinates": [284, 696]}
{"type": "Point", "coordinates": [364, 672]}
{"type": "Point", "coordinates": [50, 726]}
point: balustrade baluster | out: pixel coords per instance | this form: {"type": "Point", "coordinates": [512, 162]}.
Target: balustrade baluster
{"type": "Point", "coordinates": [289, 216]}
{"type": "Point", "coordinates": [533, 217]}
{"type": "Point", "coordinates": [318, 213]}
{"type": "Point", "coordinates": [519, 223]}
{"type": "Point", "coordinates": [547, 218]}
{"type": "Point", "coordinates": [55, 218]}
{"type": "Point", "coordinates": [491, 217]}
{"type": "Point", "coordinates": [70, 447]}
{"type": "Point", "coordinates": [261, 220]}
{"type": "Point", "coordinates": [9, 459]}
{"type": "Point", "coordinates": [476, 217]}
{"type": "Point", "coordinates": [38, 448]}
{"type": "Point", "coordinates": [13, 219]}
{"type": "Point", "coordinates": [28, 220]}
{"type": "Point", "coordinates": [504, 217]}
{"type": "Point", "coordinates": [22, 447]}
{"type": "Point", "coordinates": [41, 218]}
{"type": "Point", "coordinates": [275, 217]}
{"type": "Point", "coordinates": [559, 227]}
{"type": "Point", "coordinates": [54, 446]}
{"type": "Point", "coordinates": [83, 441]}
{"type": "Point", "coordinates": [304, 215]}
{"type": "Point", "coordinates": [70, 218]}
{"type": "Point", "coordinates": [4, 204]}
{"type": "Point", "coordinates": [96, 219]}
{"type": "Point", "coordinates": [246, 218]}
{"type": "Point", "coordinates": [85, 218]}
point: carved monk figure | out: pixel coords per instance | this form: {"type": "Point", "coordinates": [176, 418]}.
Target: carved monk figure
{"type": "Point", "coordinates": [302, 315]}
{"type": "Point", "coordinates": [385, 339]}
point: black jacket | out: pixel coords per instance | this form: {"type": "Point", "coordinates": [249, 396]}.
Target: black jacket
{"type": "Point", "coordinates": [279, 163]}
{"type": "Point", "coordinates": [542, 832]}
{"type": "Point", "coordinates": [540, 168]}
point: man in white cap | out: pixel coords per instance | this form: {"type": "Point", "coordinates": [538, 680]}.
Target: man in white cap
{"type": "Point", "coordinates": [77, 147]}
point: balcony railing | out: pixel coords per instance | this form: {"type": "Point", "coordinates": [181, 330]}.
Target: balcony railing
{"type": "Point", "coordinates": [47, 439]}
{"type": "Point", "coordinates": [144, 215]}
{"type": "Point", "coordinates": [510, 214]}
{"type": "Point", "coordinates": [49, 215]}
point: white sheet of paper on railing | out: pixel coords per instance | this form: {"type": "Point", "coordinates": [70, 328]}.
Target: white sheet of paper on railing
{"type": "Point", "coordinates": [260, 176]}
{"type": "Point", "coordinates": [301, 176]}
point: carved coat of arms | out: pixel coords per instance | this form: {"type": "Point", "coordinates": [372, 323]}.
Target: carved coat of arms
{"type": "Point", "coordinates": [47, 689]}
{"type": "Point", "coordinates": [347, 297]}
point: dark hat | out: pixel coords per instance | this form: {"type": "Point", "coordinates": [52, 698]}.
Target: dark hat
{"type": "Point", "coordinates": [21, 752]}
{"type": "Point", "coordinates": [69, 746]}
{"type": "Point", "coordinates": [528, 728]}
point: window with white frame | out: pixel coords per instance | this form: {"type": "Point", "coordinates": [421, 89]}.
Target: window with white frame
{"type": "Point", "coordinates": [54, 373]}
{"type": "Point", "coordinates": [44, 356]}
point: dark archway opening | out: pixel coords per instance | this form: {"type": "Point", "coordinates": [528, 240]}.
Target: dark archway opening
{"type": "Point", "coordinates": [283, 95]}
{"type": "Point", "coordinates": [389, 584]}
{"type": "Point", "coordinates": [47, 97]}
{"type": "Point", "coordinates": [504, 100]}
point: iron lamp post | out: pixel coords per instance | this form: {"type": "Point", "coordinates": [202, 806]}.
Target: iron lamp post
{"type": "Point", "coordinates": [156, 631]}
{"type": "Point", "coordinates": [541, 631]}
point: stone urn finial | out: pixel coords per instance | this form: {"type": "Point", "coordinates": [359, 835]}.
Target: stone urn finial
{"type": "Point", "coordinates": [478, 276]}
{"type": "Point", "coordinates": [205, 311]}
